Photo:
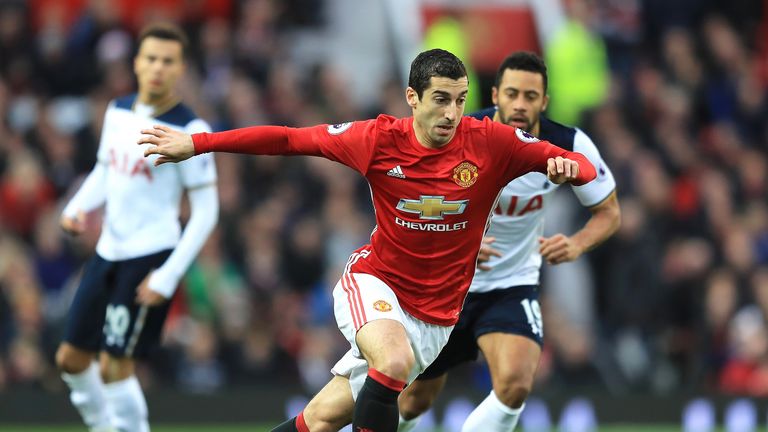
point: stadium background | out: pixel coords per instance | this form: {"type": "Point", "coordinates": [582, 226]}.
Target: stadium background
{"type": "Point", "coordinates": [665, 321]}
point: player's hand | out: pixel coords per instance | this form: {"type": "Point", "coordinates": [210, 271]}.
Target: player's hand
{"type": "Point", "coordinates": [146, 296]}
{"type": "Point", "coordinates": [486, 252]}
{"type": "Point", "coordinates": [170, 144]}
{"type": "Point", "coordinates": [559, 249]}
{"type": "Point", "coordinates": [73, 225]}
{"type": "Point", "coordinates": [561, 170]}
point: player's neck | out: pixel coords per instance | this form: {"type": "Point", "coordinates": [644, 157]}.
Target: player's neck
{"type": "Point", "coordinates": [159, 103]}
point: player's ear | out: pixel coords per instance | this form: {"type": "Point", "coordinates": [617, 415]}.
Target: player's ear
{"type": "Point", "coordinates": [495, 95]}
{"type": "Point", "coordinates": [412, 97]}
{"type": "Point", "coordinates": [546, 102]}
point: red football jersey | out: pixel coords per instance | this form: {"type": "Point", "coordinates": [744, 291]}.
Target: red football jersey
{"type": "Point", "coordinates": [432, 205]}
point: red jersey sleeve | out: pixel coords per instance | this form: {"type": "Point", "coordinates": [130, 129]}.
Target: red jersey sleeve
{"type": "Point", "coordinates": [525, 153]}
{"type": "Point", "coordinates": [351, 144]}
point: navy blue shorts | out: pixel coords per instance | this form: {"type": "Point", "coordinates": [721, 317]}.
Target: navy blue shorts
{"type": "Point", "coordinates": [513, 310]}
{"type": "Point", "coordinates": [104, 315]}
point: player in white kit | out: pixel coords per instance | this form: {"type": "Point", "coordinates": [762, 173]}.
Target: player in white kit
{"type": "Point", "coordinates": [122, 301]}
{"type": "Point", "coordinates": [501, 315]}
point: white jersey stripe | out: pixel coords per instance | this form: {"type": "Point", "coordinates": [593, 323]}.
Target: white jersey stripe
{"type": "Point", "coordinates": [359, 298]}
{"type": "Point", "coordinates": [356, 319]}
{"type": "Point", "coordinates": [354, 288]}
{"type": "Point", "coordinates": [138, 326]}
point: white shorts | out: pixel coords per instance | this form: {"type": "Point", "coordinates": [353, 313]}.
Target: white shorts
{"type": "Point", "coordinates": [360, 298]}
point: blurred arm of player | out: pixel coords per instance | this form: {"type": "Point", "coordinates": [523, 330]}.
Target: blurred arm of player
{"type": "Point", "coordinates": [92, 194]}
{"type": "Point", "coordinates": [486, 252]}
{"type": "Point", "coordinates": [604, 221]}
{"type": "Point", "coordinates": [160, 284]}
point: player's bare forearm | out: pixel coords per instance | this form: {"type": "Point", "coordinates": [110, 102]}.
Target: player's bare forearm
{"type": "Point", "coordinates": [604, 222]}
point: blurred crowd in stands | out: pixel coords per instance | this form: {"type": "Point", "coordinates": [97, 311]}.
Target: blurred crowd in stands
{"type": "Point", "coordinates": [677, 299]}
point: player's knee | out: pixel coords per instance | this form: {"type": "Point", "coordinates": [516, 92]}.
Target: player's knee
{"type": "Point", "coordinates": [72, 361]}
{"type": "Point", "coordinates": [512, 389]}
{"type": "Point", "coordinates": [397, 364]}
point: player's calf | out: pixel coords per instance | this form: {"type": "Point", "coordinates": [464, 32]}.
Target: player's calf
{"type": "Point", "coordinates": [419, 396]}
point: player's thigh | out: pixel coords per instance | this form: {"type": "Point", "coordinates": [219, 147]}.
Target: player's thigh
{"type": "Point", "coordinates": [370, 318]}
{"type": "Point", "coordinates": [132, 330]}
{"type": "Point", "coordinates": [385, 344]}
{"type": "Point", "coordinates": [419, 396]}
{"type": "Point", "coordinates": [512, 358]}
{"type": "Point", "coordinates": [332, 407]}
{"type": "Point", "coordinates": [85, 320]}
{"type": "Point", "coordinates": [510, 334]}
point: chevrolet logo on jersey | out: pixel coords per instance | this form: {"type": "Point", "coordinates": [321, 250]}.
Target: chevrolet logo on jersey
{"type": "Point", "coordinates": [432, 207]}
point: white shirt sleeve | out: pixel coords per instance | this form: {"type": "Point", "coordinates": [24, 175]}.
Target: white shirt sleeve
{"type": "Point", "coordinates": [597, 190]}
{"type": "Point", "coordinates": [92, 193]}
{"type": "Point", "coordinates": [204, 206]}
{"type": "Point", "coordinates": [201, 169]}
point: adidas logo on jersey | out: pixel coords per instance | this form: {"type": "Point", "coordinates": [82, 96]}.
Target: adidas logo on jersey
{"type": "Point", "coordinates": [396, 172]}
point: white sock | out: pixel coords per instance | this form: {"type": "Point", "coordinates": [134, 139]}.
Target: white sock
{"type": "Point", "coordinates": [407, 425]}
{"type": "Point", "coordinates": [128, 405]}
{"type": "Point", "coordinates": [492, 416]}
{"type": "Point", "coordinates": [87, 395]}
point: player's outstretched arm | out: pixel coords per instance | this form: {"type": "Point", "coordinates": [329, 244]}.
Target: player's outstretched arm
{"type": "Point", "coordinates": [171, 145]}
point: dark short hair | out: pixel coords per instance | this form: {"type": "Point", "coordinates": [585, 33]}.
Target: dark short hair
{"type": "Point", "coordinates": [525, 61]}
{"type": "Point", "coordinates": [434, 63]}
{"type": "Point", "coordinates": [165, 31]}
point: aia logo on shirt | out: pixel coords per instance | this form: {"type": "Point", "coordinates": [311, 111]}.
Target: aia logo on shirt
{"type": "Point", "coordinates": [129, 166]}
{"type": "Point", "coordinates": [465, 174]}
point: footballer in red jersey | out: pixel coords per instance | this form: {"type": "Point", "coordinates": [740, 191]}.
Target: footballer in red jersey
{"type": "Point", "coordinates": [434, 178]}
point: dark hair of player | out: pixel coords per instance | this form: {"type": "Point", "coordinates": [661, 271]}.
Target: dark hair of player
{"type": "Point", "coordinates": [165, 31]}
{"type": "Point", "coordinates": [434, 63]}
{"type": "Point", "coordinates": [525, 61]}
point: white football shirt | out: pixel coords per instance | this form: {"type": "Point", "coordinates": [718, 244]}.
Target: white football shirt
{"type": "Point", "coordinates": [143, 201]}
{"type": "Point", "coordinates": [518, 220]}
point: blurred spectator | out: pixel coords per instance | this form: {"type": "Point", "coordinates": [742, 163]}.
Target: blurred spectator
{"type": "Point", "coordinates": [578, 65]}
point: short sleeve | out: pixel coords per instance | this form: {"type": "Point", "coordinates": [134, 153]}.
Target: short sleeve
{"type": "Point", "coordinates": [597, 190]}
{"type": "Point", "coordinates": [200, 170]}
{"type": "Point", "coordinates": [102, 154]}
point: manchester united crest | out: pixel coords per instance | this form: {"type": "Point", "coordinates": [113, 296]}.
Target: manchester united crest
{"type": "Point", "coordinates": [465, 175]}
{"type": "Point", "coordinates": [382, 306]}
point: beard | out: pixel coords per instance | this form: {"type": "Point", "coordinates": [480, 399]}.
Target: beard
{"type": "Point", "coordinates": [509, 119]}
